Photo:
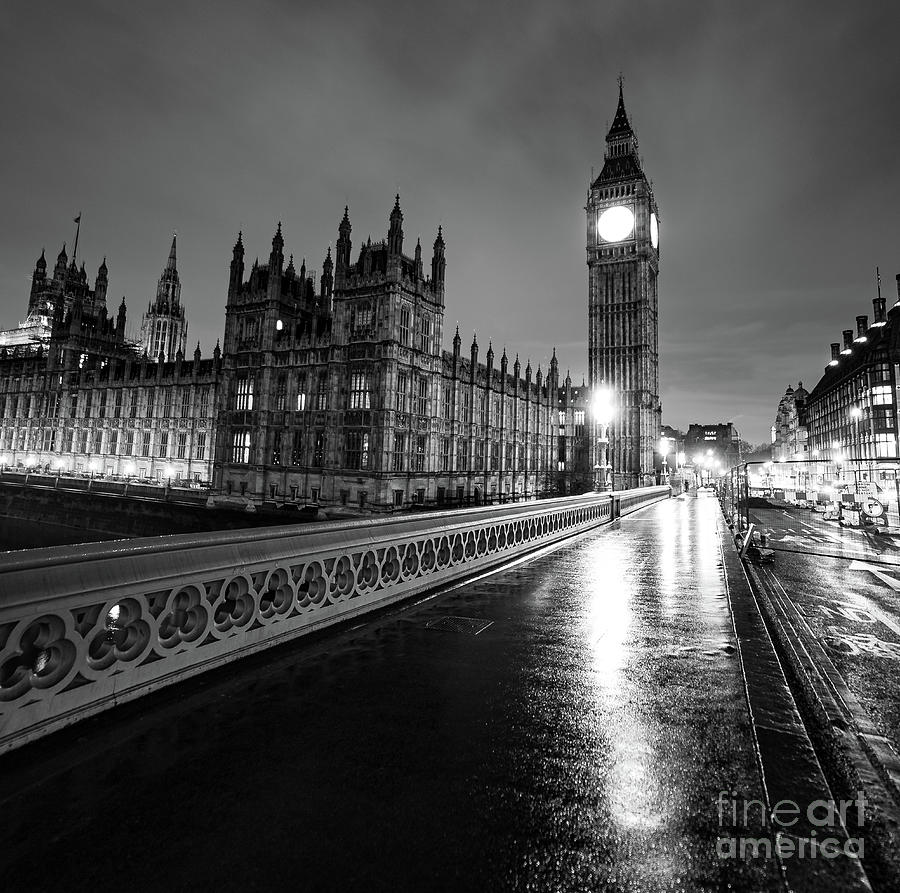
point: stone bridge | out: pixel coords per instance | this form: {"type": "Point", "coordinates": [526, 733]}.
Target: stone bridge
{"type": "Point", "coordinates": [83, 628]}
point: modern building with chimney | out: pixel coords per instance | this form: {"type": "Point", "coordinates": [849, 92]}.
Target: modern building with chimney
{"type": "Point", "coordinates": [851, 413]}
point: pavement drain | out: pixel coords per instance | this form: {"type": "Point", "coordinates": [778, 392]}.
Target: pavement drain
{"type": "Point", "coordinates": [471, 625]}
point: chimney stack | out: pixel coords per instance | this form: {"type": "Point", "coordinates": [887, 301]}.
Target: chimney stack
{"type": "Point", "coordinates": [848, 341]}
{"type": "Point", "coordinates": [835, 353]}
{"type": "Point", "coordinates": [862, 326]}
{"type": "Point", "coordinates": [878, 307]}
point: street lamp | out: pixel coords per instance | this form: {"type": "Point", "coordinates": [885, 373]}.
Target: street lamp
{"type": "Point", "coordinates": [602, 409]}
{"type": "Point", "coordinates": [664, 452]}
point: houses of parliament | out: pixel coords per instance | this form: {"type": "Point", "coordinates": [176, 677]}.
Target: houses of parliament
{"type": "Point", "coordinates": [339, 391]}
{"type": "Point", "coordinates": [333, 392]}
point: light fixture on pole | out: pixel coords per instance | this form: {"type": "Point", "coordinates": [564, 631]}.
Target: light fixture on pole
{"type": "Point", "coordinates": [664, 452]}
{"type": "Point", "coordinates": [602, 411]}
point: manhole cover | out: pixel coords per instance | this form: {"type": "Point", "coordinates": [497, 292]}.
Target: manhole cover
{"type": "Point", "coordinates": [471, 625]}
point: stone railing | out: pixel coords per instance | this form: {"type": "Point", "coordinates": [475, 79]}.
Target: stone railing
{"type": "Point", "coordinates": [83, 628]}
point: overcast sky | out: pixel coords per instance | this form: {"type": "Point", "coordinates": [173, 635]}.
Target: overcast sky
{"type": "Point", "coordinates": [771, 131]}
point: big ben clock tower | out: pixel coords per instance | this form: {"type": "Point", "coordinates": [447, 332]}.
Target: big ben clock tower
{"type": "Point", "coordinates": [623, 340]}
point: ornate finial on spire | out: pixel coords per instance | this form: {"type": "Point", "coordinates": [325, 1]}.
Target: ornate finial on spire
{"type": "Point", "coordinates": [170, 264]}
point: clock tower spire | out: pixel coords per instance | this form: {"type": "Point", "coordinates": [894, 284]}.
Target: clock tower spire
{"type": "Point", "coordinates": [623, 266]}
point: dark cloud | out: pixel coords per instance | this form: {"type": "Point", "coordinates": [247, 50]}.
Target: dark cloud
{"type": "Point", "coordinates": [769, 131]}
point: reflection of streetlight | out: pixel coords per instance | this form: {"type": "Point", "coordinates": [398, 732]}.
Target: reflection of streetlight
{"type": "Point", "coordinates": [602, 410]}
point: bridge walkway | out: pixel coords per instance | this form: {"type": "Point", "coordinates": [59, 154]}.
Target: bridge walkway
{"type": "Point", "coordinates": [567, 723]}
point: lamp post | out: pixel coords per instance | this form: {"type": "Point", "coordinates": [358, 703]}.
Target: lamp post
{"type": "Point", "coordinates": [602, 410]}
{"type": "Point", "coordinates": [664, 452]}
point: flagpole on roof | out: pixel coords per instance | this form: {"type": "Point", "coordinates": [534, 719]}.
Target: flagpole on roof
{"type": "Point", "coordinates": [77, 221]}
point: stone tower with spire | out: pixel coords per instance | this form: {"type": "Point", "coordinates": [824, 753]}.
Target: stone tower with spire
{"type": "Point", "coordinates": [164, 327]}
{"type": "Point", "coordinates": [623, 266]}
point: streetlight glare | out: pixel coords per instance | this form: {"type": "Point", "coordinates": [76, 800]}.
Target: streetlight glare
{"type": "Point", "coordinates": [602, 407]}
{"type": "Point", "coordinates": [664, 446]}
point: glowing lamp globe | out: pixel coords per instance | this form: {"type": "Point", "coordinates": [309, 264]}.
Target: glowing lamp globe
{"type": "Point", "coordinates": [602, 407]}
{"type": "Point", "coordinates": [664, 446]}
{"type": "Point", "coordinates": [615, 224]}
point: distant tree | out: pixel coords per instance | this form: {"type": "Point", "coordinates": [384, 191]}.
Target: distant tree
{"type": "Point", "coordinates": [755, 452]}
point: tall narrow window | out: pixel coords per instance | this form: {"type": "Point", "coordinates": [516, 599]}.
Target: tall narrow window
{"type": "Point", "coordinates": [356, 450]}
{"type": "Point", "coordinates": [402, 389]}
{"type": "Point", "coordinates": [319, 449]}
{"type": "Point", "coordinates": [421, 445]}
{"type": "Point", "coordinates": [422, 396]}
{"type": "Point", "coordinates": [425, 334]}
{"type": "Point", "coordinates": [404, 325]}
{"type": "Point", "coordinates": [281, 393]}
{"type": "Point", "coordinates": [447, 401]}
{"type": "Point", "coordinates": [186, 403]}
{"type": "Point", "coordinates": [399, 451]}
{"type": "Point", "coordinates": [200, 445]}
{"type": "Point", "coordinates": [359, 390]}
{"type": "Point", "coordinates": [240, 447]}
{"type": "Point", "coordinates": [322, 392]}
{"type": "Point", "coordinates": [244, 394]}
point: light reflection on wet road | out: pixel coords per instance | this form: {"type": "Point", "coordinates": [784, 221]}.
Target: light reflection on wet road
{"type": "Point", "coordinates": [577, 743]}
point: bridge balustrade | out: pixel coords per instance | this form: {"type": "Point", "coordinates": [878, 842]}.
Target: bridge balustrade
{"type": "Point", "coordinates": [83, 628]}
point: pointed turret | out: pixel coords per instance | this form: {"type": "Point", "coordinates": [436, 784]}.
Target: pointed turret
{"type": "Point", "coordinates": [101, 284]}
{"type": "Point", "coordinates": [438, 266]}
{"type": "Point", "coordinates": [326, 281]}
{"type": "Point", "coordinates": [170, 265]}
{"type": "Point", "coordinates": [342, 248]}
{"type": "Point", "coordinates": [395, 232]}
{"type": "Point", "coordinates": [621, 139]}
{"type": "Point", "coordinates": [276, 257]}
{"type": "Point", "coordinates": [236, 276]}
{"type": "Point", "coordinates": [36, 301]}
{"type": "Point", "coordinates": [62, 259]}
{"type": "Point", "coordinates": [457, 343]}
{"type": "Point", "coordinates": [418, 259]}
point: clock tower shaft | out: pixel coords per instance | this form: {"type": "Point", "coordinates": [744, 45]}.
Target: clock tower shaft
{"type": "Point", "coordinates": [623, 330]}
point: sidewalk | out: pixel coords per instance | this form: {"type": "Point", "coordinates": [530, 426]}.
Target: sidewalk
{"type": "Point", "coordinates": [576, 722]}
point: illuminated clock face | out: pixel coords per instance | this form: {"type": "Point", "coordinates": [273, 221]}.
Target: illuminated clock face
{"type": "Point", "coordinates": [615, 224]}
{"type": "Point", "coordinates": [654, 230]}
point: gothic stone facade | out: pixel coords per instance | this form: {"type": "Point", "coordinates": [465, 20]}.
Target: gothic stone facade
{"type": "Point", "coordinates": [343, 394]}
{"type": "Point", "coordinates": [339, 393]}
{"type": "Point", "coordinates": [78, 396]}
{"type": "Point", "coordinates": [623, 338]}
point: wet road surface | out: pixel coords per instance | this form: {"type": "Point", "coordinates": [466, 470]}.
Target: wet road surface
{"type": "Point", "coordinates": [852, 609]}
{"type": "Point", "coordinates": [801, 530]}
{"type": "Point", "coordinates": [566, 724]}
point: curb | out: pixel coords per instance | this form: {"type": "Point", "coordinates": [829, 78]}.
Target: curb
{"type": "Point", "coordinates": [856, 757]}
{"type": "Point", "coordinates": [787, 760]}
